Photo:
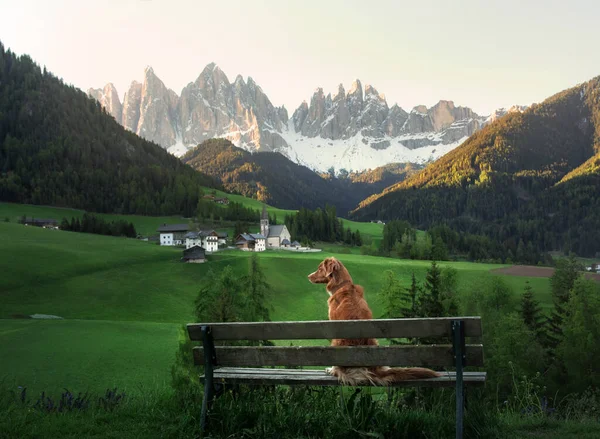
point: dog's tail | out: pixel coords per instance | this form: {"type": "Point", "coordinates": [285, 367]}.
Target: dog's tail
{"type": "Point", "coordinates": [389, 375]}
{"type": "Point", "coordinates": [381, 376]}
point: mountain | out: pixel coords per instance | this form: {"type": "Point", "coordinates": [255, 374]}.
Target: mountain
{"type": "Point", "coordinates": [524, 177]}
{"type": "Point", "coordinates": [354, 130]}
{"type": "Point", "coordinates": [61, 148]}
{"type": "Point", "coordinates": [274, 179]}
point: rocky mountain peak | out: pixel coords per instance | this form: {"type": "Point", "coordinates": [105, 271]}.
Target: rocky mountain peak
{"type": "Point", "coordinates": [356, 88]}
{"type": "Point", "coordinates": [349, 119]}
{"type": "Point", "coordinates": [109, 99]}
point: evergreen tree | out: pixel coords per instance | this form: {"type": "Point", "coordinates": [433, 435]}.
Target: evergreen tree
{"type": "Point", "coordinates": [391, 296]}
{"type": "Point", "coordinates": [561, 282]}
{"type": "Point", "coordinates": [357, 239]}
{"type": "Point", "coordinates": [257, 290]}
{"type": "Point", "coordinates": [431, 302]}
{"type": "Point", "coordinates": [412, 296]}
{"type": "Point", "coordinates": [531, 311]}
{"type": "Point", "coordinates": [220, 298]}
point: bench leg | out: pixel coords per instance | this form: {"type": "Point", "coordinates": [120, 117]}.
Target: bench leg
{"type": "Point", "coordinates": [206, 402]}
{"type": "Point", "coordinates": [210, 359]}
{"type": "Point", "coordinates": [458, 336]}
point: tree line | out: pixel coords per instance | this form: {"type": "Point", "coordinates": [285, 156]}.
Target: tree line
{"type": "Point", "coordinates": [91, 223]}
{"type": "Point", "coordinates": [320, 225]}
{"type": "Point", "coordinates": [442, 242]}
{"type": "Point", "coordinates": [548, 353]}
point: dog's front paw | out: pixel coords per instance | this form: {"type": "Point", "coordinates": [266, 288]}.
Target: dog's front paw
{"type": "Point", "coordinates": [331, 370]}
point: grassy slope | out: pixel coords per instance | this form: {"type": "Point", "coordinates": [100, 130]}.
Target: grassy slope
{"type": "Point", "coordinates": [375, 231]}
{"type": "Point", "coordinates": [126, 299]}
{"type": "Point", "coordinates": [145, 225]}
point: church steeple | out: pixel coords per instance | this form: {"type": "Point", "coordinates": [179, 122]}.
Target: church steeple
{"type": "Point", "coordinates": [264, 222]}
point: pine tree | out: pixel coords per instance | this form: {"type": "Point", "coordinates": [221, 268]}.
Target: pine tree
{"type": "Point", "coordinates": [391, 296]}
{"type": "Point", "coordinates": [431, 302]}
{"type": "Point", "coordinates": [561, 282]}
{"type": "Point", "coordinates": [357, 239]}
{"type": "Point", "coordinates": [412, 297]}
{"type": "Point", "coordinates": [256, 289]}
{"type": "Point", "coordinates": [531, 311]}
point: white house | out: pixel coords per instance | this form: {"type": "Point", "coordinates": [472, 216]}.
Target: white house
{"type": "Point", "coordinates": [193, 239]}
{"type": "Point", "coordinates": [277, 235]}
{"type": "Point", "coordinates": [254, 242]}
{"type": "Point", "coordinates": [208, 240]}
{"type": "Point", "coordinates": [172, 234]}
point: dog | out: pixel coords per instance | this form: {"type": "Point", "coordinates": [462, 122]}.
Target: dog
{"type": "Point", "coordinates": [347, 302]}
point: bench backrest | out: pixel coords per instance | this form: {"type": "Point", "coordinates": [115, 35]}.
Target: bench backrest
{"type": "Point", "coordinates": [407, 355]}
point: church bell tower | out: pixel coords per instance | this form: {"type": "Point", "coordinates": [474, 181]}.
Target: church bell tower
{"type": "Point", "coordinates": [264, 222]}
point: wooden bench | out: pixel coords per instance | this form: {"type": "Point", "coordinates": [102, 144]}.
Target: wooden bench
{"type": "Point", "coordinates": [224, 365]}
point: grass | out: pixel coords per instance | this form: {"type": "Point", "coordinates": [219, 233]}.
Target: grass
{"type": "Point", "coordinates": [94, 281]}
{"type": "Point", "coordinates": [86, 355]}
{"type": "Point", "coordinates": [123, 302]}
{"type": "Point", "coordinates": [144, 225]}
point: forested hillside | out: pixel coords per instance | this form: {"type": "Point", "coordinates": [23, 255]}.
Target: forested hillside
{"type": "Point", "coordinates": [59, 147]}
{"type": "Point", "coordinates": [274, 179]}
{"type": "Point", "coordinates": [528, 176]}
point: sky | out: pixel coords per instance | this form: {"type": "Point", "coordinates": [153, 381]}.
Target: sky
{"type": "Point", "coordinates": [484, 54]}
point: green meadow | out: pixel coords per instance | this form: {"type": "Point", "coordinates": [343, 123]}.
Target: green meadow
{"type": "Point", "coordinates": [123, 302]}
{"type": "Point", "coordinates": [147, 225]}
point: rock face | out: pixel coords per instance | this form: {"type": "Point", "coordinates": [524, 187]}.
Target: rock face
{"type": "Point", "coordinates": [346, 115]}
{"type": "Point", "coordinates": [109, 99]}
{"type": "Point", "coordinates": [355, 129]}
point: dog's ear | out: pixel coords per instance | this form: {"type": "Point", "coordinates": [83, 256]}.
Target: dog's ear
{"type": "Point", "coordinates": [331, 266]}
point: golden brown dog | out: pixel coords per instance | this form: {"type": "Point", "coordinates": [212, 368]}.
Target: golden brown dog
{"type": "Point", "coordinates": [347, 302]}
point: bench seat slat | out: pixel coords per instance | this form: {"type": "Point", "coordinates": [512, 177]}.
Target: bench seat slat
{"type": "Point", "coordinates": [320, 378]}
{"type": "Point", "coordinates": [327, 329]}
{"type": "Point", "coordinates": [409, 355]}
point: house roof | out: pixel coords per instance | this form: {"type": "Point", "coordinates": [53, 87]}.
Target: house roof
{"type": "Point", "coordinates": [195, 252]}
{"type": "Point", "coordinates": [193, 249]}
{"type": "Point", "coordinates": [222, 234]}
{"type": "Point", "coordinates": [191, 235]}
{"type": "Point", "coordinates": [286, 242]}
{"type": "Point", "coordinates": [295, 244]}
{"type": "Point", "coordinates": [257, 236]}
{"type": "Point", "coordinates": [41, 220]}
{"type": "Point", "coordinates": [245, 237]}
{"type": "Point", "coordinates": [276, 230]}
{"type": "Point", "coordinates": [173, 228]}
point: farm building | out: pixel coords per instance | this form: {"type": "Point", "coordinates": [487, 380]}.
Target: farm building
{"type": "Point", "coordinates": [194, 255]}
{"type": "Point", "coordinates": [253, 242]}
{"type": "Point", "coordinates": [209, 239]}
{"type": "Point", "coordinates": [47, 223]}
{"type": "Point", "coordinates": [172, 234]}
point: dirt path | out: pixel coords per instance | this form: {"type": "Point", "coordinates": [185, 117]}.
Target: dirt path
{"type": "Point", "coordinates": [533, 271]}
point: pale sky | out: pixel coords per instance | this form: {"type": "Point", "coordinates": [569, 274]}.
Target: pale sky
{"type": "Point", "coordinates": [483, 54]}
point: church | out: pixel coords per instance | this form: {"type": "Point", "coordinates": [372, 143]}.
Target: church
{"type": "Point", "coordinates": [277, 236]}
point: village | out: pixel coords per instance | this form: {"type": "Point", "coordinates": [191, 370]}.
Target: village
{"type": "Point", "coordinates": [199, 243]}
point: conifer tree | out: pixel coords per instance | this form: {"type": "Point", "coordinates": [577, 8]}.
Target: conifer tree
{"type": "Point", "coordinates": [412, 297]}
{"type": "Point", "coordinates": [391, 296]}
{"type": "Point", "coordinates": [257, 289]}
{"type": "Point", "coordinates": [561, 282]}
{"type": "Point", "coordinates": [431, 302]}
{"type": "Point", "coordinates": [531, 311]}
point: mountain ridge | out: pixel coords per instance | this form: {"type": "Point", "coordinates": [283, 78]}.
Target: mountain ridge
{"type": "Point", "coordinates": [353, 130]}
{"type": "Point", "coordinates": [519, 178]}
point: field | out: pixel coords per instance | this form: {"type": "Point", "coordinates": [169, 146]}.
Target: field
{"type": "Point", "coordinates": [147, 225]}
{"type": "Point", "coordinates": [533, 271]}
{"type": "Point", "coordinates": [123, 302]}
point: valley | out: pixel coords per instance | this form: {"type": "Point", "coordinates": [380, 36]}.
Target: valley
{"type": "Point", "coordinates": [123, 303]}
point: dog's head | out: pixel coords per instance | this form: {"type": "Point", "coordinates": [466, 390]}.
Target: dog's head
{"type": "Point", "coordinates": [328, 270]}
